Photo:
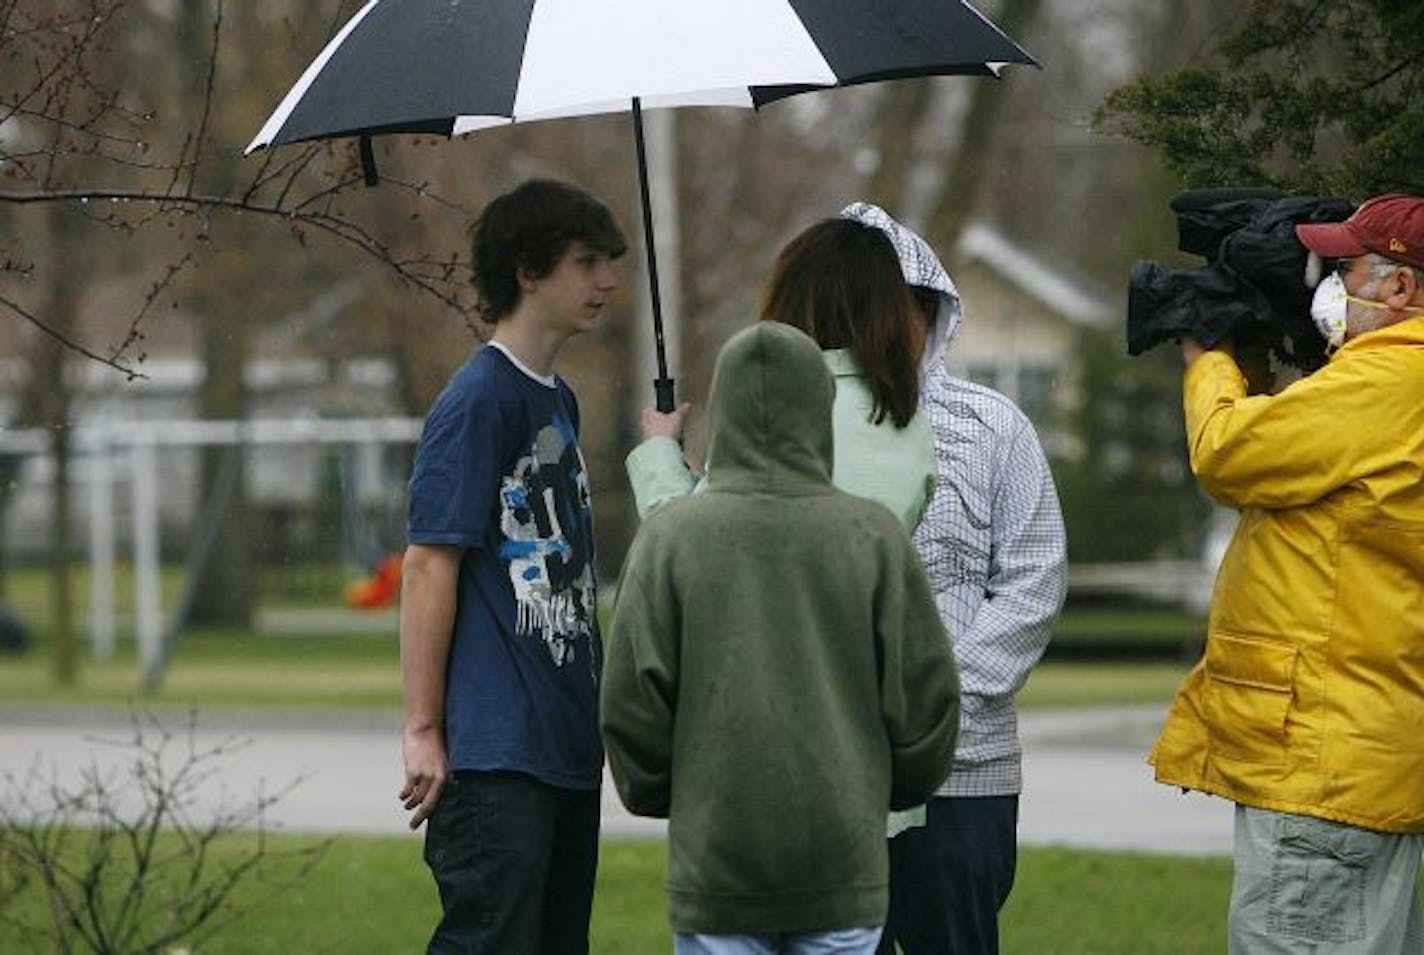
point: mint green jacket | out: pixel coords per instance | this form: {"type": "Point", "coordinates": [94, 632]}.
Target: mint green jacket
{"type": "Point", "coordinates": [895, 466]}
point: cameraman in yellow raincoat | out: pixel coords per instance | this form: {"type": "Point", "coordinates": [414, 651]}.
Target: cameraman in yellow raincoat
{"type": "Point", "coordinates": [1307, 709]}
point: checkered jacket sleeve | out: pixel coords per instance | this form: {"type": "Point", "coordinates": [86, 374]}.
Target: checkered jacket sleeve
{"type": "Point", "coordinates": [995, 551]}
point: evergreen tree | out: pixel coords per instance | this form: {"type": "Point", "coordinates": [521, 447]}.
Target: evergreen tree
{"type": "Point", "coordinates": [1308, 97]}
{"type": "Point", "coordinates": [1127, 492]}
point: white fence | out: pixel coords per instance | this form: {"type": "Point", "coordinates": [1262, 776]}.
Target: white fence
{"type": "Point", "coordinates": [105, 455]}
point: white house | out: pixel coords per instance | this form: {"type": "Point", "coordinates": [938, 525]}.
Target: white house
{"type": "Point", "coordinates": [1022, 318]}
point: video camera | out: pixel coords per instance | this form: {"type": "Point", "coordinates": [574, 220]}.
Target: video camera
{"type": "Point", "coordinates": [1256, 286]}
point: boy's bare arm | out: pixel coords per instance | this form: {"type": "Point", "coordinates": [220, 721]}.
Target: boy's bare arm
{"type": "Point", "coordinates": [427, 616]}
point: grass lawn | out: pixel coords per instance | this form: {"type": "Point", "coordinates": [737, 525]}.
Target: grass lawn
{"type": "Point", "coordinates": [359, 670]}
{"type": "Point", "coordinates": [222, 668]}
{"type": "Point", "coordinates": [1102, 683]}
{"type": "Point", "coordinates": [372, 896]}
{"type": "Point", "coordinates": [1065, 903]}
{"type": "Point", "coordinates": [1071, 902]}
{"type": "Point", "coordinates": [225, 668]}
{"type": "Point", "coordinates": [1163, 632]}
{"type": "Point", "coordinates": [320, 654]}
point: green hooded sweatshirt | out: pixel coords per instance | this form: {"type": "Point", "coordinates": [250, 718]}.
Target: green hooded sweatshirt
{"type": "Point", "coordinates": [777, 677]}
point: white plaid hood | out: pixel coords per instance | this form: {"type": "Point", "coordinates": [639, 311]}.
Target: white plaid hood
{"type": "Point", "coordinates": [921, 267]}
{"type": "Point", "coordinates": [991, 538]}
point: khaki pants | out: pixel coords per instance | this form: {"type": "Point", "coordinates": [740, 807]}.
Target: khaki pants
{"type": "Point", "coordinates": [1307, 886]}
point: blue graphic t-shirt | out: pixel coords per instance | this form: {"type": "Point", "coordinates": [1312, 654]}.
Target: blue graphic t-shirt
{"type": "Point", "coordinates": [498, 472]}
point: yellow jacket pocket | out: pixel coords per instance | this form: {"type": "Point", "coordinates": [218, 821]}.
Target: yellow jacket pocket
{"type": "Point", "coordinates": [1248, 697]}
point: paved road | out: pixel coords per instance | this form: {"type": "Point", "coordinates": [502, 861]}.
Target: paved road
{"type": "Point", "coordinates": [1086, 784]}
{"type": "Point", "coordinates": [1085, 781]}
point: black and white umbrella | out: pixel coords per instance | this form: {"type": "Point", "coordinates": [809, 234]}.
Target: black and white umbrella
{"type": "Point", "coordinates": [456, 66]}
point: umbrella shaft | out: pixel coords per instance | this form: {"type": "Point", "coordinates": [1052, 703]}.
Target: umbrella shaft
{"type": "Point", "coordinates": [662, 385]}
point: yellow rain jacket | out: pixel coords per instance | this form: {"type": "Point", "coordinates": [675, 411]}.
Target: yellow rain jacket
{"type": "Point", "coordinates": [1310, 697]}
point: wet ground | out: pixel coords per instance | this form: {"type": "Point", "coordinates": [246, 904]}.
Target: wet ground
{"type": "Point", "coordinates": [1086, 784]}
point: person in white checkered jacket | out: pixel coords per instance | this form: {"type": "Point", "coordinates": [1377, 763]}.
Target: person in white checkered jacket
{"type": "Point", "coordinates": [993, 545]}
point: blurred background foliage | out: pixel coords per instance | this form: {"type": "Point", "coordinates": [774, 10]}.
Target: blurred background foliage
{"type": "Point", "coordinates": [1313, 98]}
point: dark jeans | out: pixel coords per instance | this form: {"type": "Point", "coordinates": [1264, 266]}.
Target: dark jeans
{"type": "Point", "coordinates": [949, 879]}
{"type": "Point", "coordinates": [514, 860]}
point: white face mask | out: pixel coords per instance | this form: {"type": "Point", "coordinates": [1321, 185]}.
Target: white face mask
{"type": "Point", "coordinates": [1329, 309]}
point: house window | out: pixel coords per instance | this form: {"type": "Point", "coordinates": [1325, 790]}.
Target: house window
{"type": "Point", "coordinates": [1032, 387]}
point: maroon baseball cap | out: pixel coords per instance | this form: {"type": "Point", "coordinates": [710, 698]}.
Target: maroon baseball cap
{"type": "Point", "coordinates": [1391, 225]}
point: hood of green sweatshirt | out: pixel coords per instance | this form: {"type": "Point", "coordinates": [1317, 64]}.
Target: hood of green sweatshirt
{"type": "Point", "coordinates": [770, 413]}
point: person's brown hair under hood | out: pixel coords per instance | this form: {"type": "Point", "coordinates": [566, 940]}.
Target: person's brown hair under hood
{"type": "Point", "coordinates": [840, 282]}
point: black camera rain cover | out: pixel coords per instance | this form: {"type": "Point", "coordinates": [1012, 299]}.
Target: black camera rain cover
{"type": "Point", "coordinates": [1253, 285]}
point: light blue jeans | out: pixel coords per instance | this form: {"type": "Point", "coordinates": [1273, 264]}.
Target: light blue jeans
{"type": "Point", "coordinates": [850, 941]}
{"type": "Point", "coordinates": [1308, 886]}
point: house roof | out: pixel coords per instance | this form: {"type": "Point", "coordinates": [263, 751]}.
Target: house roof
{"type": "Point", "coordinates": [1065, 294]}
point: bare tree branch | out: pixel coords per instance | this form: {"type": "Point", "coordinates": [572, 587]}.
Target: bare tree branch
{"type": "Point", "coordinates": [209, 86]}
{"type": "Point", "coordinates": [73, 126]}
{"type": "Point", "coordinates": [65, 340]}
{"type": "Point", "coordinates": [122, 858]}
{"type": "Point", "coordinates": [436, 283]}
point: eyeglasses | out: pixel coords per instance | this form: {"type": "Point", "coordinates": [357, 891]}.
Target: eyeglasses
{"type": "Point", "coordinates": [1341, 267]}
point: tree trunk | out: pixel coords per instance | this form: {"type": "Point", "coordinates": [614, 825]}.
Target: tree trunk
{"type": "Point", "coordinates": [955, 205]}
{"type": "Point", "coordinates": [897, 126]}
{"type": "Point", "coordinates": [54, 415]}
{"type": "Point", "coordinates": [227, 591]}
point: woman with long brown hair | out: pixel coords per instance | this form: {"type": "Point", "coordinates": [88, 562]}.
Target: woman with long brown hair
{"type": "Point", "coordinates": [839, 281]}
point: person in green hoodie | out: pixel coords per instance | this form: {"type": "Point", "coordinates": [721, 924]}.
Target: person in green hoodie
{"type": "Point", "coordinates": [777, 677]}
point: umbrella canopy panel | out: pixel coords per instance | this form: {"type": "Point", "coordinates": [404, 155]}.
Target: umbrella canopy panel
{"type": "Point", "coordinates": [406, 66]}
{"type": "Point", "coordinates": [451, 66]}
{"type": "Point", "coordinates": [869, 40]}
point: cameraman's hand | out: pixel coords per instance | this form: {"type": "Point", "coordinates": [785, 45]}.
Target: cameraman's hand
{"type": "Point", "coordinates": [1254, 360]}
{"type": "Point", "coordinates": [1191, 349]}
